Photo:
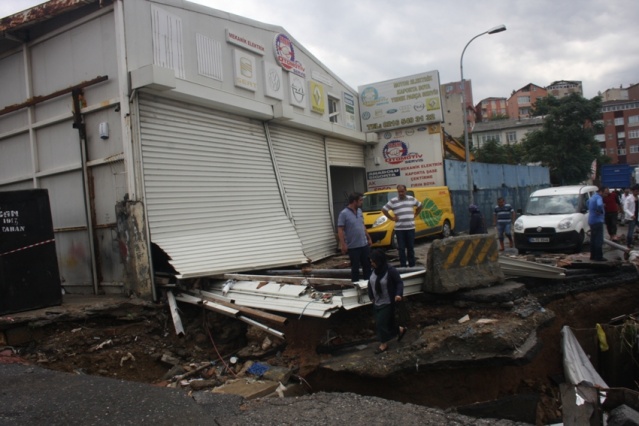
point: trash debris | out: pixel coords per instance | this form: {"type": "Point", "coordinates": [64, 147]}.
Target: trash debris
{"type": "Point", "coordinates": [258, 369]}
{"type": "Point", "coordinates": [101, 345]}
{"type": "Point", "coordinates": [266, 343]}
{"type": "Point", "coordinates": [127, 357]}
{"type": "Point", "coordinates": [463, 319]}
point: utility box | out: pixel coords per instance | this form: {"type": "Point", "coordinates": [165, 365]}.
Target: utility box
{"type": "Point", "coordinates": [29, 276]}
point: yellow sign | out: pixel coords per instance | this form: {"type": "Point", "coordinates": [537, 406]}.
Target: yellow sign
{"type": "Point", "coordinates": [318, 104]}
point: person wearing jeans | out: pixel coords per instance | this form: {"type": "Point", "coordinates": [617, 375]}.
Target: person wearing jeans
{"type": "Point", "coordinates": [596, 219]}
{"type": "Point", "coordinates": [353, 238]}
{"type": "Point", "coordinates": [405, 209]}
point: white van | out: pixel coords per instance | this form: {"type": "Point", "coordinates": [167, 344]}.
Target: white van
{"type": "Point", "coordinates": [555, 219]}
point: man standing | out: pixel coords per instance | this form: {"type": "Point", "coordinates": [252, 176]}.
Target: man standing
{"type": "Point", "coordinates": [630, 215]}
{"type": "Point", "coordinates": [503, 218]}
{"type": "Point", "coordinates": [596, 219]}
{"type": "Point", "coordinates": [353, 238]}
{"type": "Point", "coordinates": [404, 218]}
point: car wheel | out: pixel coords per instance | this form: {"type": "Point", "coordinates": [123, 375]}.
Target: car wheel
{"type": "Point", "coordinates": [446, 231]}
{"type": "Point", "coordinates": [580, 242]}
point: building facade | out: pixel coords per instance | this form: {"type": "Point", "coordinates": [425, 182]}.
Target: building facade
{"type": "Point", "coordinates": [490, 108]}
{"type": "Point", "coordinates": [620, 137]}
{"type": "Point", "coordinates": [521, 102]}
{"type": "Point", "coordinates": [505, 132]}
{"type": "Point", "coordinates": [562, 88]}
{"type": "Point", "coordinates": [173, 138]}
{"type": "Point", "coordinates": [454, 119]}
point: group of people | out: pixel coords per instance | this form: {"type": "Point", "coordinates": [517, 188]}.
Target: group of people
{"type": "Point", "coordinates": [603, 210]}
{"type": "Point", "coordinates": [625, 202]}
{"type": "Point", "coordinates": [385, 286]}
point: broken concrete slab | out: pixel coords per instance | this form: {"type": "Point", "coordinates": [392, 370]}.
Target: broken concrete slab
{"type": "Point", "coordinates": [249, 389]}
{"type": "Point", "coordinates": [462, 263]}
{"type": "Point", "coordinates": [510, 341]}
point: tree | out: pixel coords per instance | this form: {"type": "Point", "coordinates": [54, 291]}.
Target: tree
{"type": "Point", "coordinates": [494, 152]}
{"type": "Point", "coordinates": [566, 143]}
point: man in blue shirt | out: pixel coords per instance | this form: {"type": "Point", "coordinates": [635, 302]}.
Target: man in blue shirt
{"type": "Point", "coordinates": [503, 217]}
{"type": "Point", "coordinates": [353, 238]}
{"type": "Point", "coordinates": [596, 220]}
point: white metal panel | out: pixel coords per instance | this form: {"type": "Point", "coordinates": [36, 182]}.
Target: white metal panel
{"type": "Point", "coordinates": [15, 157]}
{"type": "Point", "coordinates": [211, 194]}
{"type": "Point", "coordinates": [301, 161]}
{"type": "Point", "coordinates": [343, 153]}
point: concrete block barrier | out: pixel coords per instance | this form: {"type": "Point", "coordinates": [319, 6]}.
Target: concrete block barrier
{"type": "Point", "coordinates": [464, 262]}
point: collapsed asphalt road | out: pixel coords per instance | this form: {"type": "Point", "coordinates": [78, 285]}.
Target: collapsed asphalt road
{"type": "Point", "coordinates": [469, 361]}
{"type": "Point", "coordinates": [35, 396]}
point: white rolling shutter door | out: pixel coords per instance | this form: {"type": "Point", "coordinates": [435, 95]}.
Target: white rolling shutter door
{"type": "Point", "coordinates": [211, 193]}
{"type": "Point", "coordinates": [301, 161]}
{"type": "Point", "coordinates": [345, 154]}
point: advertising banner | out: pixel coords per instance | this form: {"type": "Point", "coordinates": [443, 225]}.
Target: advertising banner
{"type": "Point", "coordinates": [412, 156]}
{"type": "Point", "coordinates": [409, 101]}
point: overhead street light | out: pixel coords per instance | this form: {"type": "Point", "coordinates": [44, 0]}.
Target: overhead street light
{"type": "Point", "coordinates": [494, 30]}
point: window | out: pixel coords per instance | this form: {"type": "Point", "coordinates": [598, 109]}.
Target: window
{"type": "Point", "coordinates": [600, 138]}
{"type": "Point", "coordinates": [621, 135]}
{"type": "Point", "coordinates": [634, 149]}
{"type": "Point", "coordinates": [333, 109]}
{"type": "Point", "coordinates": [494, 137]}
{"type": "Point", "coordinates": [511, 137]}
{"type": "Point", "coordinates": [621, 151]}
{"type": "Point", "coordinates": [633, 120]}
{"type": "Point", "coordinates": [619, 121]}
{"type": "Point", "coordinates": [603, 151]}
{"type": "Point", "coordinates": [633, 134]}
{"type": "Point", "coordinates": [523, 100]}
{"type": "Point", "coordinates": [524, 112]}
{"type": "Point", "coordinates": [609, 136]}
{"type": "Point", "coordinates": [449, 88]}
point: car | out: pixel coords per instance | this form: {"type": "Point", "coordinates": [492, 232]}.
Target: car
{"type": "Point", "coordinates": [555, 219]}
{"type": "Point", "coordinates": [436, 218]}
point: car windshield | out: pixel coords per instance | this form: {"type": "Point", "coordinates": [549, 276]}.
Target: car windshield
{"type": "Point", "coordinates": [553, 204]}
{"type": "Point", "coordinates": [375, 202]}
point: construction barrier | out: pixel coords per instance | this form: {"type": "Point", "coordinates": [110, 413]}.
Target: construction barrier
{"type": "Point", "coordinates": [462, 263]}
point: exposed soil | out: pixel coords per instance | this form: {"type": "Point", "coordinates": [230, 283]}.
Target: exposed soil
{"type": "Point", "coordinates": [140, 344]}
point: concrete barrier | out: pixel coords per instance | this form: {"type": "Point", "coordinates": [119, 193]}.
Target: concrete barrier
{"type": "Point", "coordinates": [464, 262]}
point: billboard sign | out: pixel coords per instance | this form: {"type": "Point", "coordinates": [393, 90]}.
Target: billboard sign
{"type": "Point", "coordinates": [403, 102]}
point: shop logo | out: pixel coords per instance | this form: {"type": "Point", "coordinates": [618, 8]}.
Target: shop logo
{"type": "Point", "coordinates": [297, 87]}
{"type": "Point", "coordinates": [285, 55]}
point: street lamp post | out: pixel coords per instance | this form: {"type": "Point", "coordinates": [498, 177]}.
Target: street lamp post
{"type": "Point", "coordinates": [494, 30]}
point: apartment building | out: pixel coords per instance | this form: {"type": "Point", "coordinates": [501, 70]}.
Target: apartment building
{"type": "Point", "coordinates": [520, 103]}
{"type": "Point", "coordinates": [505, 132]}
{"type": "Point", "coordinates": [620, 137]}
{"type": "Point", "coordinates": [562, 88]}
{"type": "Point", "coordinates": [490, 108]}
{"type": "Point", "coordinates": [452, 100]}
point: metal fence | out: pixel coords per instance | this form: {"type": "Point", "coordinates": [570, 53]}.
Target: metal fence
{"type": "Point", "coordinates": [491, 181]}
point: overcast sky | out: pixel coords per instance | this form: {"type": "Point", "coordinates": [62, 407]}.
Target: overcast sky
{"type": "Point", "coordinates": [594, 41]}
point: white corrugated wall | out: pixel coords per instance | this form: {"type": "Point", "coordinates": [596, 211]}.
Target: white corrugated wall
{"type": "Point", "coordinates": [211, 192]}
{"type": "Point", "coordinates": [345, 154]}
{"type": "Point", "coordinates": [301, 160]}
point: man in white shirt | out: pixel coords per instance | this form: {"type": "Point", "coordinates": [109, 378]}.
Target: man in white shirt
{"type": "Point", "coordinates": [630, 214]}
{"type": "Point", "coordinates": [404, 216]}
